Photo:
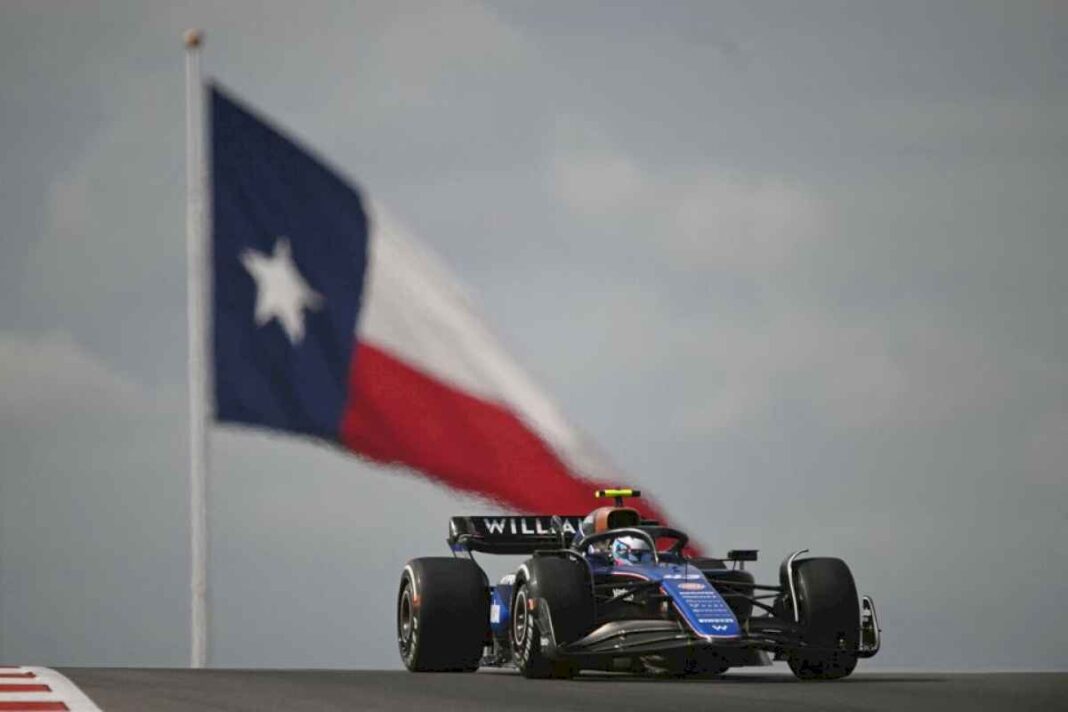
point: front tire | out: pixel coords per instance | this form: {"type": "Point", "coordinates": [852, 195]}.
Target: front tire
{"type": "Point", "coordinates": [829, 615]}
{"type": "Point", "coordinates": [442, 615]}
{"type": "Point", "coordinates": [559, 591]}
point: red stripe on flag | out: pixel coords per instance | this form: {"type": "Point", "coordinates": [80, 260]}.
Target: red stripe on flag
{"type": "Point", "coordinates": [397, 414]}
{"type": "Point", "coordinates": [25, 688]}
{"type": "Point", "coordinates": [33, 706]}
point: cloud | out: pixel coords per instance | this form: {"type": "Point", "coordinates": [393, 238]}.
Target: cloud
{"type": "Point", "coordinates": [48, 377]}
{"type": "Point", "coordinates": [902, 371]}
{"type": "Point", "coordinates": [975, 127]}
{"type": "Point", "coordinates": [730, 222]}
{"type": "Point", "coordinates": [784, 344]}
{"type": "Point", "coordinates": [597, 183]}
{"type": "Point", "coordinates": [423, 44]}
{"type": "Point", "coordinates": [114, 230]}
{"type": "Point", "coordinates": [1047, 448]}
{"type": "Point", "coordinates": [700, 219]}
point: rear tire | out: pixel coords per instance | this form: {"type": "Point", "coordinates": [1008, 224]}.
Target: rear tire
{"type": "Point", "coordinates": [442, 615]}
{"type": "Point", "coordinates": [829, 615]}
{"type": "Point", "coordinates": [562, 589]}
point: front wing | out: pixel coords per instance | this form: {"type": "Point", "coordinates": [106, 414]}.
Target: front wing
{"type": "Point", "coordinates": [660, 636]}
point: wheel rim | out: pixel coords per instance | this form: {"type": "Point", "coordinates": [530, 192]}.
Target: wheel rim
{"type": "Point", "coordinates": [520, 617]}
{"type": "Point", "coordinates": [405, 622]}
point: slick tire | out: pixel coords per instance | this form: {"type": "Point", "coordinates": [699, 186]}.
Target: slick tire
{"type": "Point", "coordinates": [442, 615]}
{"type": "Point", "coordinates": [558, 591]}
{"type": "Point", "coordinates": [829, 615]}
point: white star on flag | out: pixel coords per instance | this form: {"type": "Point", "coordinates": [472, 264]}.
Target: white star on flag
{"type": "Point", "coordinates": [281, 291]}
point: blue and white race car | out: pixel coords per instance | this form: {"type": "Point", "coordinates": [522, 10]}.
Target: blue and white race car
{"type": "Point", "coordinates": [611, 591]}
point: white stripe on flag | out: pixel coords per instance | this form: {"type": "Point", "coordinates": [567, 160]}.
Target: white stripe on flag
{"type": "Point", "coordinates": [414, 308]}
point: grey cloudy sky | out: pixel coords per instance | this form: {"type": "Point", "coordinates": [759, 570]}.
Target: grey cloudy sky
{"type": "Point", "coordinates": [798, 267]}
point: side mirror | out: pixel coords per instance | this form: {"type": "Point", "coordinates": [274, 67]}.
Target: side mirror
{"type": "Point", "coordinates": [742, 554]}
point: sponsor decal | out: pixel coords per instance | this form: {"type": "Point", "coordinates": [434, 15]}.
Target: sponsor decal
{"type": "Point", "coordinates": [677, 577]}
{"type": "Point", "coordinates": [524, 526]}
{"type": "Point", "coordinates": [495, 613]}
{"type": "Point", "coordinates": [704, 607]}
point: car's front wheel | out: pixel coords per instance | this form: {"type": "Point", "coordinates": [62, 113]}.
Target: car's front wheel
{"type": "Point", "coordinates": [527, 650]}
{"type": "Point", "coordinates": [558, 591]}
{"type": "Point", "coordinates": [829, 616]}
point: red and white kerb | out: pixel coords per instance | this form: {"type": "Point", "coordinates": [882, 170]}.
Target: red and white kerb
{"type": "Point", "coordinates": [40, 689]}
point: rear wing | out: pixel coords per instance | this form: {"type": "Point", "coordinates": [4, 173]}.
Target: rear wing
{"type": "Point", "coordinates": [506, 534]}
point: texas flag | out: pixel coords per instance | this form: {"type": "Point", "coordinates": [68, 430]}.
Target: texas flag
{"type": "Point", "coordinates": [332, 322]}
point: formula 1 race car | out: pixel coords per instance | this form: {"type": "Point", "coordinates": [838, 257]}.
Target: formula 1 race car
{"type": "Point", "coordinates": [611, 591]}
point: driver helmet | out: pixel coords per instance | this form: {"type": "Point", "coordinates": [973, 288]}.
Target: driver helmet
{"type": "Point", "coordinates": [631, 550]}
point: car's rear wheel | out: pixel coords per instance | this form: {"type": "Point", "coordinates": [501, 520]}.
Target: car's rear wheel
{"type": "Point", "coordinates": [829, 615]}
{"type": "Point", "coordinates": [557, 590]}
{"type": "Point", "coordinates": [442, 615]}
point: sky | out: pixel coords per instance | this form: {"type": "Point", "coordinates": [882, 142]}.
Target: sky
{"type": "Point", "coordinates": [797, 267]}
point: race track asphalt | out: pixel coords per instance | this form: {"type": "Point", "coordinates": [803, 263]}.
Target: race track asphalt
{"type": "Point", "coordinates": [158, 690]}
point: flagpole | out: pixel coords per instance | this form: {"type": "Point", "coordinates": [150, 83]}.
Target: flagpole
{"type": "Point", "coordinates": [196, 294]}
